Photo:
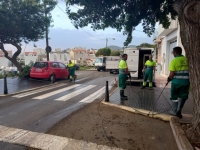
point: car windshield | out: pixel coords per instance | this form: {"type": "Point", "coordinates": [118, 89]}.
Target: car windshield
{"type": "Point", "coordinates": [41, 64]}
{"type": "Point", "coordinates": [98, 60]}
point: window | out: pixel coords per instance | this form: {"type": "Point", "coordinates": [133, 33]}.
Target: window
{"type": "Point", "coordinates": [40, 64]}
{"type": "Point", "coordinates": [54, 65]}
{"type": "Point", "coordinates": [62, 65]}
{"type": "Point", "coordinates": [98, 60]}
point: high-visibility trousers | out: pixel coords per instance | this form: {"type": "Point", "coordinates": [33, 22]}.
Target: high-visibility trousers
{"type": "Point", "coordinates": [122, 81]}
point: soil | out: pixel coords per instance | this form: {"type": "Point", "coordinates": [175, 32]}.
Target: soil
{"type": "Point", "coordinates": [186, 126]}
{"type": "Point", "coordinates": [106, 125]}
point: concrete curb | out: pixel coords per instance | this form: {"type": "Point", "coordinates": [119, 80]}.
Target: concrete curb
{"type": "Point", "coordinates": [179, 135]}
{"type": "Point", "coordinates": [162, 117]}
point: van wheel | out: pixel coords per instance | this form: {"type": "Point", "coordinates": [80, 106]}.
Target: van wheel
{"type": "Point", "coordinates": [52, 78]}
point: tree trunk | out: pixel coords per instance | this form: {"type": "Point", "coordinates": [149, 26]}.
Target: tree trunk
{"type": "Point", "coordinates": [14, 57]}
{"type": "Point", "coordinates": [189, 20]}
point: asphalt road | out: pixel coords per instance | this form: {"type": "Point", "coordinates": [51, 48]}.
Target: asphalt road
{"type": "Point", "coordinates": [32, 112]}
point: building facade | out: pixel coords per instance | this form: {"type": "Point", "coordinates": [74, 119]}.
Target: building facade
{"type": "Point", "coordinates": [166, 41]}
{"type": "Point", "coordinates": [63, 57]}
{"type": "Point", "coordinates": [4, 62]}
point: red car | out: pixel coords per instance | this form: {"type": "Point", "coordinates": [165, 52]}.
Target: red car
{"type": "Point", "coordinates": [49, 70]}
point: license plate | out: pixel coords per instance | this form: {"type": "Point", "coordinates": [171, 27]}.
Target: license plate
{"type": "Point", "coordinates": [38, 70]}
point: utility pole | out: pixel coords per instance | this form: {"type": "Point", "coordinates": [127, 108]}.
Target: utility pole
{"type": "Point", "coordinates": [106, 42]}
{"type": "Point", "coordinates": [47, 38]}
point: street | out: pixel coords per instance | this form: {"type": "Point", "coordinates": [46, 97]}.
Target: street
{"type": "Point", "coordinates": [43, 104]}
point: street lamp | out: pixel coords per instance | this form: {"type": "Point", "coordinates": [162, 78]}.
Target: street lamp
{"type": "Point", "coordinates": [107, 41]}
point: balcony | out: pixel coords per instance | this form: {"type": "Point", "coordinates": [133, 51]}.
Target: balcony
{"type": "Point", "coordinates": [164, 32]}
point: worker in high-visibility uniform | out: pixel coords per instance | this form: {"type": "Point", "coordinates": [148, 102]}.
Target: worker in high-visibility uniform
{"type": "Point", "coordinates": [179, 75]}
{"type": "Point", "coordinates": [123, 73]}
{"type": "Point", "coordinates": [149, 71]}
{"type": "Point", "coordinates": [71, 67]}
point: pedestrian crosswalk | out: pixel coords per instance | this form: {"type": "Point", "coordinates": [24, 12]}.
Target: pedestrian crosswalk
{"type": "Point", "coordinates": [44, 109]}
{"type": "Point", "coordinates": [75, 93]}
{"type": "Point", "coordinates": [56, 92]}
{"type": "Point", "coordinates": [36, 91]}
{"type": "Point", "coordinates": [61, 94]}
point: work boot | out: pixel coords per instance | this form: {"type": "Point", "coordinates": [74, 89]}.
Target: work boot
{"type": "Point", "coordinates": [150, 88]}
{"type": "Point", "coordinates": [174, 108]}
{"type": "Point", "coordinates": [181, 103]}
{"type": "Point", "coordinates": [122, 97]}
{"type": "Point", "coordinates": [123, 94]}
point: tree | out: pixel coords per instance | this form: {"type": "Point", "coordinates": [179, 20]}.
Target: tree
{"type": "Point", "coordinates": [104, 52]}
{"type": "Point", "coordinates": [147, 45]}
{"type": "Point", "coordinates": [21, 21]}
{"type": "Point", "coordinates": [115, 53]}
{"type": "Point", "coordinates": [127, 14]}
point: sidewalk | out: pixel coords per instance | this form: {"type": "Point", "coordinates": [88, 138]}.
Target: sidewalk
{"type": "Point", "coordinates": [20, 84]}
{"type": "Point", "coordinates": [109, 128]}
{"type": "Point", "coordinates": [116, 128]}
{"type": "Point", "coordinates": [149, 99]}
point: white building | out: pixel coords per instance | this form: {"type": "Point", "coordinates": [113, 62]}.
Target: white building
{"type": "Point", "coordinates": [78, 54]}
{"type": "Point", "coordinates": [3, 60]}
{"type": "Point", "coordinates": [58, 50]}
{"type": "Point", "coordinates": [63, 57]}
{"type": "Point", "coordinates": [30, 56]}
{"type": "Point", "coordinates": [39, 51]}
{"type": "Point", "coordinates": [167, 40]}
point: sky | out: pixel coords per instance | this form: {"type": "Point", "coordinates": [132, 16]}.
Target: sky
{"type": "Point", "coordinates": [64, 35]}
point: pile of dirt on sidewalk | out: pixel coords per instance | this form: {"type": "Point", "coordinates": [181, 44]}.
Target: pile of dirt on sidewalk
{"type": "Point", "coordinates": [105, 125]}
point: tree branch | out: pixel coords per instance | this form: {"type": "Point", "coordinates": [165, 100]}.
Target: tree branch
{"type": "Point", "coordinates": [19, 49]}
{"type": "Point", "coordinates": [5, 52]}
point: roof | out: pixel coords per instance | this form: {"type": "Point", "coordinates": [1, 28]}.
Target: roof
{"type": "Point", "coordinates": [27, 53]}
{"type": "Point", "coordinates": [79, 50]}
{"type": "Point", "coordinates": [2, 53]}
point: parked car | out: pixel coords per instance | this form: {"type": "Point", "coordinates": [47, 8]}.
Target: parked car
{"type": "Point", "coordinates": [49, 70]}
{"type": "Point", "coordinates": [76, 67]}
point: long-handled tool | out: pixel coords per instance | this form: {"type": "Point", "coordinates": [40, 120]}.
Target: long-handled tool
{"type": "Point", "coordinates": [157, 99]}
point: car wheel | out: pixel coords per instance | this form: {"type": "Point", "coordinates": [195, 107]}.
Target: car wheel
{"type": "Point", "coordinates": [111, 72]}
{"type": "Point", "coordinates": [52, 78]}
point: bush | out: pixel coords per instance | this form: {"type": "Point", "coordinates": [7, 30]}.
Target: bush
{"type": "Point", "coordinates": [1, 76]}
{"type": "Point", "coordinates": [26, 70]}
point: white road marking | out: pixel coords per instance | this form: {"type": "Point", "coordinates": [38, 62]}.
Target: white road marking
{"type": "Point", "coordinates": [56, 92]}
{"type": "Point", "coordinates": [36, 91]}
{"type": "Point", "coordinates": [51, 142]}
{"type": "Point", "coordinates": [46, 141]}
{"type": "Point", "coordinates": [32, 139]}
{"type": "Point", "coordinates": [75, 93]}
{"type": "Point", "coordinates": [83, 78]}
{"type": "Point", "coordinates": [92, 97]}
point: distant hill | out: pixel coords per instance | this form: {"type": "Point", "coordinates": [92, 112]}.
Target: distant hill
{"type": "Point", "coordinates": [131, 46]}
{"type": "Point", "coordinates": [114, 47]}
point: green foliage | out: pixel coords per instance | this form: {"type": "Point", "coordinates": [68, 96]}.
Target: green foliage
{"type": "Point", "coordinates": [26, 70]}
{"type": "Point", "coordinates": [122, 14]}
{"type": "Point", "coordinates": [104, 52]}
{"type": "Point", "coordinates": [147, 45]}
{"type": "Point", "coordinates": [115, 53]}
{"type": "Point", "coordinates": [22, 63]}
{"type": "Point", "coordinates": [1, 76]}
{"type": "Point", "coordinates": [86, 67]}
{"type": "Point", "coordinates": [21, 21]}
